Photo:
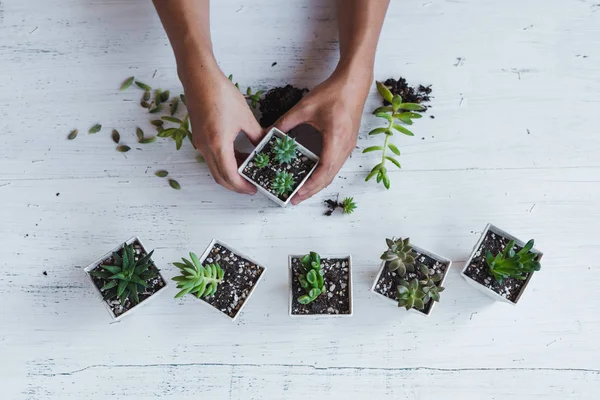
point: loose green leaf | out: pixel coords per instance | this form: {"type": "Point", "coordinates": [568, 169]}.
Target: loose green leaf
{"type": "Point", "coordinates": [157, 122]}
{"type": "Point", "coordinates": [143, 86]}
{"type": "Point", "coordinates": [164, 97]}
{"type": "Point", "coordinates": [174, 184]}
{"type": "Point", "coordinates": [145, 104]}
{"type": "Point", "coordinates": [384, 92]}
{"type": "Point", "coordinates": [123, 148]}
{"type": "Point", "coordinates": [116, 137]}
{"type": "Point", "coordinates": [172, 119]}
{"type": "Point", "coordinates": [174, 105]}
{"type": "Point", "coordinates": [161, 173]}
{"type": "Point", "coordinates": [73, 134]}
{"type": "Point", "coordinates": [156, 109]}
{"type": "Point", "coordinates": [158, 97]}
{"type": "Point", "coordinates": [95, 129]}
{"type": "Point", "coordinates": [139, 133]}
{"type": "Point", "coordinates": [127, 83]}
{"type": "Point", "coordinates": [148, 140]}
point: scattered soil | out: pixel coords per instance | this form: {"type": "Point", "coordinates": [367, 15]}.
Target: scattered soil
{"type": "Point", "coordinates": [409, 94]}
{"type": "Point", "coordinates": [154, 285]}
{"type": "Point", "coordinates": [478, 270]}
{"type": "Point", "coordinates": [277, 102]}
{"type": "Point", "coordinates": [337, 282]}
{"type": "Point", "coordinates": [300, 167]}
{"type": "Point", "coordinates": [388, 282]}
{"type": "Point", "coordinates": [332, 205]}
{"type": "Point", "coordinates": [239, 280]}
{"type": "Point", "coordinates": [45, 273]}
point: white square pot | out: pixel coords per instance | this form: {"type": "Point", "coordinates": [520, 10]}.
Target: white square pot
{"type": "Point", "coordinates": [106, 256]}
{"type": "Point", "coordinates": [442, 260]}
{"type": "Point", "coordinates": [276, 132]}
{"type": "Point", "coordinates": [350, 287]}
{"type": "Point", "coordinates": [485, 289]}
{"type": "Point", "coordinates": [239, 254]}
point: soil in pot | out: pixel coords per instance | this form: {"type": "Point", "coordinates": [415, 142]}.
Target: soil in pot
{"type": "Point", "coordinates": [418, 94]}
{"type": "Point", "coordinates": [277, 102]}
{"type": "Point", "coordinates": [241, 275]}
{"type": "Point", "coordinates": [388, 281]}
{"type": "Point", "coordinates": [337, 282]}
{"type": "Point", "coordinates": [299, 168]}
{"type": "Point", "coordinates": [154, 285]}
{"type": "Point", "coordinates": [478, 270]}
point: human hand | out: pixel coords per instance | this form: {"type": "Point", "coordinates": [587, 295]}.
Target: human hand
{"type": "Point", "coordinates": [218, 112]}
{"type": "Point", "coordinates": [335, 109]}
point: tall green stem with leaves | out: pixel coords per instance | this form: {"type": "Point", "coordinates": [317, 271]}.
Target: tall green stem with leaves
{"type": "Point", "coordinates": [395, 114]}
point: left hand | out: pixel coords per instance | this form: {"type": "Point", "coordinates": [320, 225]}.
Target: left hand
{"type": "Point", "coordinates": [335, 109]}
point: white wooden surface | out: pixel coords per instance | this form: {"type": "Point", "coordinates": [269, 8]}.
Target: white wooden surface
{"type": "Point", "coordinates": [514, 142]}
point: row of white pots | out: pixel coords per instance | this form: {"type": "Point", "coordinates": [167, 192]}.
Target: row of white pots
{"type": "Point", "coordinates": [434, 256]}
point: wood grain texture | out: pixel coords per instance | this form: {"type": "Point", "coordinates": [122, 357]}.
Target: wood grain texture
{"type": "Point", "coordinates": [514, 142]}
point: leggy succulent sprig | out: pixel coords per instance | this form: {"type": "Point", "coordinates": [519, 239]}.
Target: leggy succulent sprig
{"type": "Point", "coordinates": [282, 183]}
{"type": "Point", "coordinates": [399, 256]}
{"type": "Point", "coordinates": [127, 277]}
{"type": "Point", "coordinates": [511, 264]}
{"type": "Point", "coordinates": [311, 279]}
{"type": "Point", "coordinates": [261, 160]}
{"type": "Point", "coordinates": [411, 294]}
{"type": "Point", "coordinates": [285, 149]}
{"type": "Point", "coordinates": [397, 112]}
{"type": "Point", "coordinates": [179, 133]}
{"type": "Point", "coordinates": [203, 281]}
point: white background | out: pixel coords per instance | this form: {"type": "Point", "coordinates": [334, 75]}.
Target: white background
{"type": "Point", "coordinates": [514, 142]}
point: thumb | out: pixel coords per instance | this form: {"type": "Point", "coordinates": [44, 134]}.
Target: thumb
{"type": "Point", "coordinates": [296, 116]}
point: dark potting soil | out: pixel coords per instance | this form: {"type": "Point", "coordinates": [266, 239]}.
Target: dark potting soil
{"type": "Point", "coordinates": [478, 270]}
{"type": "Point", "coordinates": [409, 94]}
{"type": "Point", "coordinates": [388, 281]}
{"type": "Point", "coordinates": [337, 282]}
{"type": "Point", "coordinates": [299, 168]}
{"type": "Point", "coordinates": [277, 102]}
{"type": "Point", "coordinates": [154, 285]}
{"type": "Point", "coordinates": [239, 280]}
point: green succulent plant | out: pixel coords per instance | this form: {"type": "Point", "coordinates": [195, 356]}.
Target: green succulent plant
{"type": "Point", "coordinates": [284, 149]}
{"type": "Point", "coordinates": [283, 183]}
{"type": "Point", "coordinates": [311, 280]}
{"type": "Point", "coordinates": [348, 205]}
{"type": "Point", "coordinates": [127, 277]}
{"type": "Point", "coordinates": [511, 264]}
{"type": "Point", "coordinates": [399, 256]}
{"type": "Point", "coordinates": [203, 281]}
{"type": "Point", "coordinates": [411, 294]}
{"type": "Point", "coordinates": [261, 160]}
{"type": "Point", "coordinates": [429, 284]}
{"type": "Point", "coordinates": [394, 114]}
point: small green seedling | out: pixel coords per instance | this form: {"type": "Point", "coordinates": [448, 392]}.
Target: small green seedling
{"type": "Point", "coordinates": [348, 205]}
{"type": "Point", "coordinates": [127, 277]}
{"type": "Point", "coordinates": [261, 160]}
{"type": "Point", "coordinates": [394, 114]}
{"type": "Point", "coordinates": [285, 150]}
{"type": "Point", "coordinates": [511, 264]}
{"type": "Point", "coordinates": [311, 279]}
{"type": "Point", "coordinates": [399, 256]}
{"type": "Point", "coordinates": [203, 281]}
{"type": "Point", "coordinates": [283, 183]}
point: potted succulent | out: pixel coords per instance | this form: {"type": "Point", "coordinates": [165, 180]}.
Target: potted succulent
{"type": "Point", "coordinates": [501, 265]}
{"type": "Point", "coordinates": [222, 277]}
{"type": "Point", "coordinates": [320, 286]}
{"type": "Point", "coordinates": [279, 166]}
{"type": "Point", "coordinates": [410, 276]}
{"type": "Point", "coordinates": [125, 278]}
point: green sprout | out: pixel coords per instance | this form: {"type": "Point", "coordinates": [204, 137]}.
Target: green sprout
{"type": "Point", "coordinates": [348, 205]}
{"type": "Point", "coordinates": [511, 264]}
{"type": "Point", "coordinates": [284, 149]}
{"type": "Point", "coordinates": [283, 183]}
{"type": "Point", "coordinates": [261, 160]}
{"type": "Point", "coordinates": [399, 256]}
{"type": "Point", "coordinates": [203, 281]}
{"type": "Point", "coordinates": [127, 277]}
{"type": "Point", "coordinates": [311, 279]}
{"type": "Point", "coordinates": [411, 294]}
{"type": "Point", "coordinates": [397, 112]}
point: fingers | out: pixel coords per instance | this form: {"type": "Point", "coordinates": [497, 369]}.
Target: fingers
{"type": "Point", "coordinates": [228, 168]}
{"type": "Point", "coordinates": [296, 116]}
{"type": "Point", "coordinates": [253, 130]}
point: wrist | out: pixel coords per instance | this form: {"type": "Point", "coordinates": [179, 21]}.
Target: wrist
{"type": "Point", "coordinates": [356, 72]}
{"type": "Point", "coordinates": [195, 59]}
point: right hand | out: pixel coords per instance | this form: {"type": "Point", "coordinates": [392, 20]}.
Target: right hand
{"type": "Point", "coordinates": [218, 112]}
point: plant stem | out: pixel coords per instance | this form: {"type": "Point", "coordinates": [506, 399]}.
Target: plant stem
{"type": "Point", "coordinates": [385, 143]}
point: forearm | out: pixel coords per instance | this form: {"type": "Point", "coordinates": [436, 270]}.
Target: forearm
{"type": "Point", "coordinates": [187, 23]}
{"type": "Point", "coordinates": [359, 24]}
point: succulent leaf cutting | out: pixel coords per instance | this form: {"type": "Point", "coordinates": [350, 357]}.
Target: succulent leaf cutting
{"type": "Point", "coordinates": [311, 280]}
{"type": "Point", "coordinates": [197, 279]}
{"type": "Point", "coordinates": [127, 277]}
{"type": "Point", "coordinates": [399, 256]}
{"type": "Point", "coordinates": [511, 264]}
